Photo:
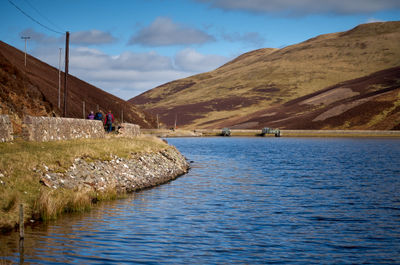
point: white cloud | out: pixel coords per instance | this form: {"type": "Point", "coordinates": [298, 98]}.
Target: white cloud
{"type": "Point", "coordinates": [251, 38]}
{"type": "Point", "coordinates": [301, 7]}
{"type": "Point", "coordinates": [40, 38]}
{"type": "Point", "coordinates": [91, 37]}
{"type": "Point", "coordinates": [373, 20]}
{"type": "Point", "coordinates": [191, 60]}
{"type": "Point", "coordinates": [143, 61]}
{"type": "Point", "coordinates": [86, 58]}
{"type": "Point", "coordinates": [163, 32]}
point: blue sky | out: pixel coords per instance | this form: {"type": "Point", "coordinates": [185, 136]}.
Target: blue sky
{"type": "Point", "coordinates": [126, 47]}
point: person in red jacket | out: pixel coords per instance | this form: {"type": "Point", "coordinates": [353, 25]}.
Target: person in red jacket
{"type": "Point", "coordinates": [108, 121]}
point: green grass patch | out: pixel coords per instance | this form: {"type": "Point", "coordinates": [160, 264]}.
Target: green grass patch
{"type": "Point", "coordinates": [21, 164]}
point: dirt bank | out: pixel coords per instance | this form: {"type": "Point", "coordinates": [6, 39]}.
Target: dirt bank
{"type": "Point", "coordinates": [122, 174]}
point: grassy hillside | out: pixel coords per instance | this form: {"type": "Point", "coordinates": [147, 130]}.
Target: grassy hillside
{"type": "Point", "coordinates": [271, 77]}
{"type": "Point", "coordinates": [33, 90]}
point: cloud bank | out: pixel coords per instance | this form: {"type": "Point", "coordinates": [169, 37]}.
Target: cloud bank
{"type": "Point", "coordinates": [305, 7]}
{"type": "Point", "coordinates": [129, 74]}
{"type": "Point", "coordinates": [91, 37]}
{"type": "Point", "coordinates": [126, 74]}
{"type": "Point", "coordinates": [189, 60]}
{"type": "Point", "coordinates": [164, 32]}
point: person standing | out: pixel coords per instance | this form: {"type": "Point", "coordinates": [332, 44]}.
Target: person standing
{"type": "Point", "coordinates": [98, 116]}
{"type": "Point", "coordinates": [108, 121]}
{"type": "Point", "coordinates": [91, 116]}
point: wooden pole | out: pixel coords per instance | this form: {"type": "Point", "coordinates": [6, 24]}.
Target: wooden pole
{"type": "Point", "coordinates": [83, 109]}
{"type": "Point", "coordinates": [59, 80]}
{"type": "Point", "coordinates": [21, 221]}
{"type": "Point", "coordinates": [21, 251]}
{"type": "Point", "coordinates": [26, 39]}
{"type": "Point", "coordinates": [66, 72]}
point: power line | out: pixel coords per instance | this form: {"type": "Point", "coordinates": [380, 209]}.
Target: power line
{"type": "Point", "coordinates": [43, 16]}
{"type": "Point", "coordinates": [34, 20]}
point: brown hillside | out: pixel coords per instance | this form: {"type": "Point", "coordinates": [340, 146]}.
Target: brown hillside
{"type": "Point", "coordinates": [34, 91]}
{"type": "Point", "coordinates": [272, 77]}
{"type": "Point", "coordinates": [369, 103]}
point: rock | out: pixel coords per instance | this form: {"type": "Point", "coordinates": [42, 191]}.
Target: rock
{"type": "Point", "coordinates": [45, 182]}
{"type": "Point", "coordinates": [125, 175]}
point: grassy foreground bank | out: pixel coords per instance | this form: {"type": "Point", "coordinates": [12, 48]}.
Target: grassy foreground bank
{"type": "Point", "coordinates": [21, 164]}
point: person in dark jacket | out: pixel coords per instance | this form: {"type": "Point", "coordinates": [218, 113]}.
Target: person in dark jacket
{"type": "Point", "coordinates": [98, 116]}
{"type": "Point", "coordinates": [108, 121]}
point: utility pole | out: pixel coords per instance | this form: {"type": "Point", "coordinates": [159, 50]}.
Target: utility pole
{"type": "Point", "coordinates": [59, 80]}
{"type": "Point", "coordinates": [26, 39]}
{"type": "Point", "coordinates": [66, 72]}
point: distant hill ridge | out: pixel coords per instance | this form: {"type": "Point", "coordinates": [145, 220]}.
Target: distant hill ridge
{"type": "Point", "coordinates": [33, 90]}
{"type": "Point", "coordinates": [259, 80]}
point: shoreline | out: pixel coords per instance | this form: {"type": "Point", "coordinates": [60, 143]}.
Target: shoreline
{"type": "Point", "coordinates": [61, 177]}
{"type": "Point", "coordinates": [123, 175]}
{"type": "Point", "coordinates": [164, 133]}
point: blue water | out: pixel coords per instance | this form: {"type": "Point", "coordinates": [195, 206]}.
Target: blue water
{"type": "Point", "coordinates": [245, 201]}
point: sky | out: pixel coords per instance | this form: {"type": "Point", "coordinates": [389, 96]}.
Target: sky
{"type": "Point", "coordinates": [127, 47]}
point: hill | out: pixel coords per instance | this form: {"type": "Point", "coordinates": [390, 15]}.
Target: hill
{"type": "Point", "coordinates": [371, 102]}
{"type": "Point", "coordinates": [253, 82]}
{"type": "Point", "coordinates": [33, 90]}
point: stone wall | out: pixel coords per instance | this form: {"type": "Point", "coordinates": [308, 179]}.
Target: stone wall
{"type": "Point", "coordinates": [44, 129]}
{"type": "Point", "coordinates": [129, 130]}
{"type": "Point", "coordinates": [6, 129]}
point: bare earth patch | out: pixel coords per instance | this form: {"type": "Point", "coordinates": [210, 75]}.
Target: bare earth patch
{"type": "Point", "coordinates": [331, 96]}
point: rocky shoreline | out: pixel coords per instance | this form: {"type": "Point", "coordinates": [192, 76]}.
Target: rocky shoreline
{"type": "Point", "coordinates": [140, 171]}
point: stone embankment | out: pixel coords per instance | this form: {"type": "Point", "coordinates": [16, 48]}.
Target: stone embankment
{"type": "Point", "coordinates": [129, 130]}
{"type": "Point", "coordinates": [6, 129]}
{"type": "Point", "coordinates": [122, 174]}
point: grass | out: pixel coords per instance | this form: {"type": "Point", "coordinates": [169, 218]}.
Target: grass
{"type": "Point", "coordinates": [378, 118]}
{"type": "Point", "coordinates": [21, 163]}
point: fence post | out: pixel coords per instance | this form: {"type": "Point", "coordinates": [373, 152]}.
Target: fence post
{"type": "Point", "coordinates": [21, 221]}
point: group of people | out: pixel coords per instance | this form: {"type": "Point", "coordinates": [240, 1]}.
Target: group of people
{"type": "Point", "coordinates": [108, 119]}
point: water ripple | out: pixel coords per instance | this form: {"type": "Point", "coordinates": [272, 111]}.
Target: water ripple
{"type": "Point", "coordinates": [245, 201]}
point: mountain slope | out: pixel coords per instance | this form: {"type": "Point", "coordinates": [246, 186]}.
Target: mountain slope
{"type": "Point", "coordinates": [33, 90]}
{"type": "Point", "coordinates": [271, 77]}
{"type": "Point", "coordinates": [371, 102]}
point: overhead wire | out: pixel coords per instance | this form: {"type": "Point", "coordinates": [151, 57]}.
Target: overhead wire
{"type": "Point", "coordinates": [43, 16]}
{"type": "Point", "coordinates": [34, 20]}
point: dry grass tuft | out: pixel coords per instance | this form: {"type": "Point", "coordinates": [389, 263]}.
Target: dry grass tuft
{"type": "Point", "coordinates": [52, 203]}
{"type": "Point", "coordinates": [23, 163]}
